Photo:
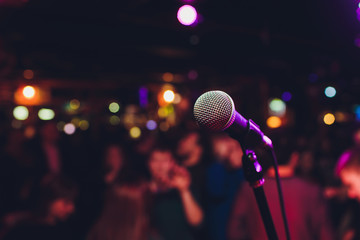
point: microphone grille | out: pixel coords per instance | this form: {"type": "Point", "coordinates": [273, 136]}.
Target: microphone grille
{"type": "Point", "coordinates": [214, 110]}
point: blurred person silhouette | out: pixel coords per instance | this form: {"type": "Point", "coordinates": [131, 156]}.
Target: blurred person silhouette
{"type": "Point", "coordinates": [125, 215]}
{"type": "Point", "coordinates": [306, 208]}
{"type": "Point", "coordinates": [176, 213]}
{"type": "Point", "coordinates": [223, 178]}
{"type": "Point", "coordinates": [194, 154]}
{"type": "Point", "coordinates": [347, 169]}
{"type": "Point", "coordinates": [49, 219]}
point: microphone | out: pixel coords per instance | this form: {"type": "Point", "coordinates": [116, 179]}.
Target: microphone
{"type": "Point", "coordinates": [215, 111]}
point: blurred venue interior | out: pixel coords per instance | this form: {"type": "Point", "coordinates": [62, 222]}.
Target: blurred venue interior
{"type": "Point", "coordinates": [121, 71]}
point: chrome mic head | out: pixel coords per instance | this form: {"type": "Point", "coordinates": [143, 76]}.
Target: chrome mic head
{"type": "Point", "coordinates": [214, 110]}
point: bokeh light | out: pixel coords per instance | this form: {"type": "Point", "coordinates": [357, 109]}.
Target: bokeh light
{"type": "Point", "coordinates": [286, 96]}
{"type": "Point", "coordinates": [74, 104]}
{"type": "Point", "coordinates": [114, 120]}
{"type": "Point", "coordinates": [84, 125]}
{"type": "Point", "coordinates": [60, 126]}
{"type": "Point", "coordinates": [163, 112]}
{"type": "Point", "coordinates": [28, 74]}
{"type": "Point", "coordinates": [169, 96]}
{"type": "Point", "coordinates": [357, 112]}
{"type": "Point", "coordinates": [16, 124]}
{"type": "Point", "coordinates": [168, 77]}
{"type": "Point", "coordinates": [329, 118]}
{"type": "Point", "coordinates": [46, 114]}
{"type": "Point", "coordinates": [164, 126]}
{"type": "Point", "coordinates": [330, 92]}
{"type": "Point", "coordinates": [273, 122]}
{"type": "Point", "coordinates": [28, 92]}
{"type": "Point", "coordinates": [135, 132]}
{"type": "Point", "coordinates": [21, 113]}
{"type": "Point", "coordinates": [69, 128]}
{"type": "Point", "coordinates": [29, 132]}
{"type": "Point", "coordinates": [187, 15]}
{"type": "Point", "coordinates": [151, 125]}
{"type": "Point", "coordinates": [114, 107]}
{"type": "Point", "coordinates": [277, 107]}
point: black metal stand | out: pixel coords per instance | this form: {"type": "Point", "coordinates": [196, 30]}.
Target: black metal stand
{"type": "Point", "coordinates": [254, 175]}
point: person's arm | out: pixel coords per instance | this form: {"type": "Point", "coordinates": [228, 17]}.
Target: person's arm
{"type": "Point", "coordinates": [193, 212]}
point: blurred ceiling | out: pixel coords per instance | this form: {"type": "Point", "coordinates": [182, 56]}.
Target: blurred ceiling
{"type": "Point", "coordinates": [134, 41]}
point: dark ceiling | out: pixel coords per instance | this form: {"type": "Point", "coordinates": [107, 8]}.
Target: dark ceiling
{"type": "Point", "coordinates": [136, 40]}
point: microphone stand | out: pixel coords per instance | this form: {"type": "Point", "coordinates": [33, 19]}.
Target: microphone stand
{"type": "Point", "coordinates": [254, 175]}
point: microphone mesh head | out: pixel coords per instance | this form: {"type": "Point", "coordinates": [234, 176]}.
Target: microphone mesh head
{"type": "Point", "coordinates": [214, 110]}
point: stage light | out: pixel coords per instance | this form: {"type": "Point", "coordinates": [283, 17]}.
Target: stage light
{"type": "Point", "coordinates": [187, 15]}
{"type": "Point", "coordinates": [114, 107]}
{"type": "Point", "coordinates": [46, 114]}
{"type": "Point", "coordinates": [169, 96]}
{"type": "Point", "coordinates": [28, 92]}
{"type": "Point", "coordinates": [151, 125]}
{"type": "Point", "coordinates": [21, 113]}
{"type": "Point", "coordinates": [69, 128]}
{"type": "Point", "coordinates": [330, 92]}
{"type": "Point", "coordinates": [329, 119]}
{"type": "Point", "coordinates": [135, 132]}
{"type": "Point", "coordinates": [273, 122]}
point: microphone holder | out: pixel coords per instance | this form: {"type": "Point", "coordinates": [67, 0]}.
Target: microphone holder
{"type": "Point", "coordinates": [254, 175]}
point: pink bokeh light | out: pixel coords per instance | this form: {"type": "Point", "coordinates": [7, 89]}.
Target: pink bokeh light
{"type": "Point", "coordinates": [187, 15]}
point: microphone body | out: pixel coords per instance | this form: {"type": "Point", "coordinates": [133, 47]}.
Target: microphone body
{"type": "Point", "coordinates": [215, 110]}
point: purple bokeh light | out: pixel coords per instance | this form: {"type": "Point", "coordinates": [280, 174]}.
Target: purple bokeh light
{"type": "Point", "coordinates": [187, 15]}
{"type": "Point", "coordinates": [286, 96]}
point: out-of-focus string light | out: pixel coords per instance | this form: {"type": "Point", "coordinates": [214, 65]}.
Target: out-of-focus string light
{"type": "Point", "coordinates": [169, 96]}
{"type": "Point", "coordinates": [114, 120]}
{"type": "Point", "coordinates": [329, 118]}
{"type": "Point", "coordinates": [29, 132]}
{"type": "Point", "coordinates": [273, 122]}
{"type": "Point", "coordinates": [135, 132]}
{"type": "Point", "coordinates": [74, 104]}
{"type": "Point", "coordinates": [69, 128]}
{"type": "Point", "coordinates": [28, 92]}
{"type": "Point", "coordinates": [17, 124]}
{"type": "Point", "coordinates": [187, 15]}
{"type": "Point", "coordinates": [286, 96]}
{"type": "Point", "coordinates": [84, 125]}
{"type": "Point", "coordinates": [330, 92]}
{"type": "Point", "coordinates": [277, 107]}
{"type": "Point", "coordinates": [151, 125]}
{"type": "Point", "coordinates": [21, 113]}
{"type": "Point", "coordinates": [114, 107]}
{"type": "Point", "coordinates": [28, 74]}
{"type": "Point", "coordinates": [60, 126]}
{"type": "Point", "coordinates": [46, 114]}
{"type": "Point", "coordinates": [357, 112]}
{"type": "Point", "coordinates": [168, 77]}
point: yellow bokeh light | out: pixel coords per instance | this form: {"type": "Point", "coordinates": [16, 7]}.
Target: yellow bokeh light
{"type": "Point", "coordinates": [329, 118]}
{"type": "Point", "coordinates": [114, 120]}
{"type": "Point", "coordinates": [169, 96]}
{"type": "Point", "coordinates": [135, 132]}
{"type": "Point", "coordinates": [163, 112]}
{"type": "Point", "coordinates": [29, 92]}
{"type": "Point", "coordinates": [21, 113]}
{"type": "Point", "coordinates": [273, 122]}
{"type": "Point", "coordinates": [74, 104]}
{"type": "Point", "coordinates": [84, 125]}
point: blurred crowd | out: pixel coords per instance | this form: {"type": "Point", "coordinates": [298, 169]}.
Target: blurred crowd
{"type": "Point", "coordinates": [183, 184]}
